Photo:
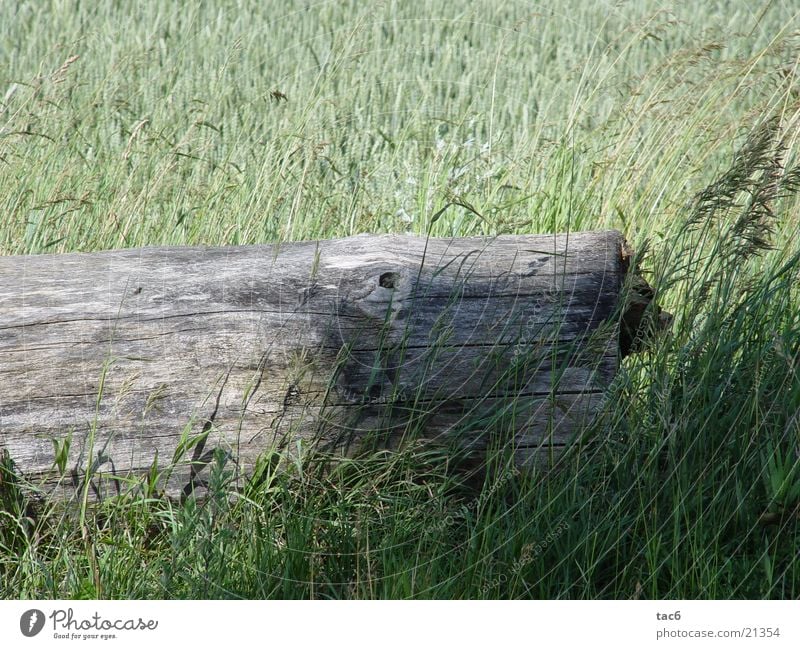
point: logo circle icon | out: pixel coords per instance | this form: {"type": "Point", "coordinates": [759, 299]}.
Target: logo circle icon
{"type": "Point", "coordinates": [31, 622]}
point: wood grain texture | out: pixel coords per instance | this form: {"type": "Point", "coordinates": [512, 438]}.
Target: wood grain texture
{"type": "Point", "coordinates": [335, 343]}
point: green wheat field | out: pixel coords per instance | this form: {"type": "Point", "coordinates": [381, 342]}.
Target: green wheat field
{"type": "Point", "coordinates": [221, 123]}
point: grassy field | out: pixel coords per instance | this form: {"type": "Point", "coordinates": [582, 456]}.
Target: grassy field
{"type": "Point", "coordinates": [245, 122]}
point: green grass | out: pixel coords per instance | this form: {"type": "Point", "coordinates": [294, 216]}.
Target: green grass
{"type": "Point", "coordinates": [229, 123]}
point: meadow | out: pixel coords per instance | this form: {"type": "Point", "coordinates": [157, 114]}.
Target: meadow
{"type": "Point", "coordinates": [230, 122]}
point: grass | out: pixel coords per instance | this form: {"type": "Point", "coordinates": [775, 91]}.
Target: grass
{"type": "Point", "coordinates": [227, 123]}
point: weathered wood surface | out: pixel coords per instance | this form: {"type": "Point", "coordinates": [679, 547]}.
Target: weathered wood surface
{"type": "Point", "coordinates": [334, 343]}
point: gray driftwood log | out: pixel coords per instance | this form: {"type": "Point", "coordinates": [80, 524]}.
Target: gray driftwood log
{"type": "Point", "coordinates": [119, 364]}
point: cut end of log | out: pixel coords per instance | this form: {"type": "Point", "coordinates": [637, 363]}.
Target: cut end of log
{"type": "Point", "coordinates": [643, 320]}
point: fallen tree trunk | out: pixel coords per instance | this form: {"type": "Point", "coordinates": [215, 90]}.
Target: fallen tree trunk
{"type": "Point", "coordinates": [119, 364]}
